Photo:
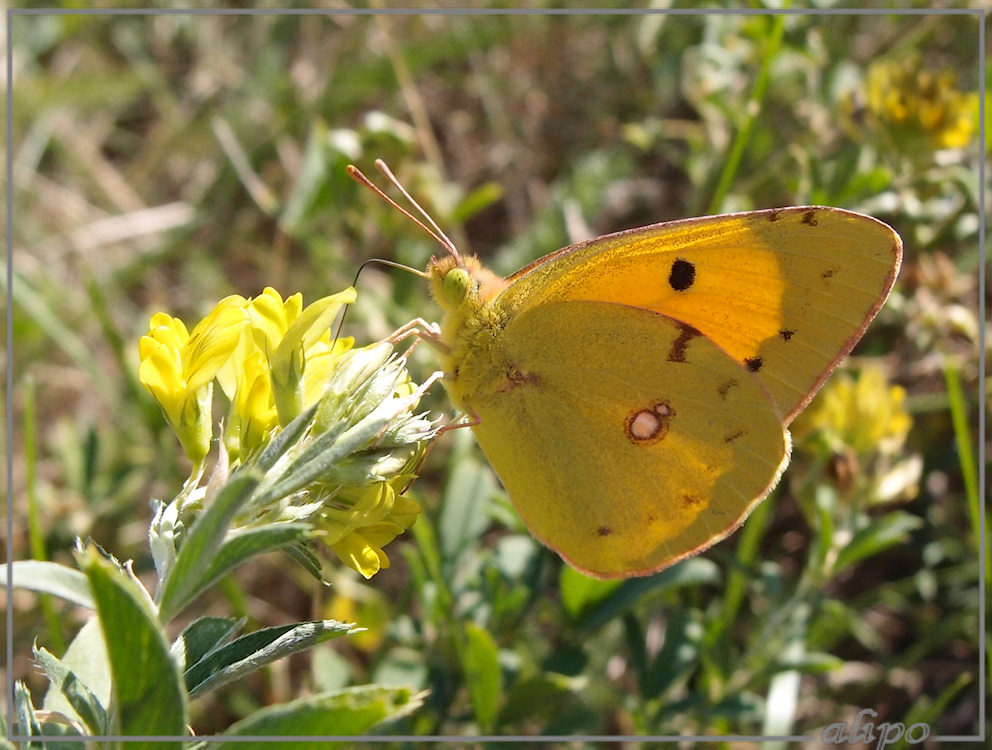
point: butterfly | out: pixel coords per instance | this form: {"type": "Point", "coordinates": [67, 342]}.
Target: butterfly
{"type": "Point", "coordinates": [633, 392]}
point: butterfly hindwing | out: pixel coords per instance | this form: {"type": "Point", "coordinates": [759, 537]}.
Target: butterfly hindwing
{"type": "Point", "coordinates": [626, 439]}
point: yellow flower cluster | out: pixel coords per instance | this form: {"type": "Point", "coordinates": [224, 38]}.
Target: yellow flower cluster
{"type": "Point", "coordinates": [358, 532]}
{"type": "Point", "coordinates": [858, 428]}
{"type": "Point", "coordinates": [867, 414]}
{"type": "Point", "coordinates": [275, 362]}
{"type": "Point", "coordinates": [257, 350]}
{"type": "Point", "coordinates": [911, 100]}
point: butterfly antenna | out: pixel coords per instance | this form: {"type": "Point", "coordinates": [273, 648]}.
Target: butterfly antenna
{"type": "Point", "coordinates": [433, 230]}
{"type": "Point", "coordinates": [354, 284]}
{"type": "Point", "coordinates": [448, 244]}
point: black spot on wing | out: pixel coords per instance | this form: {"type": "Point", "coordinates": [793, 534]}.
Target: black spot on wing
{"type": "Point", "coordinates": [786, 334]}
{"type": "Point", "coordinates": [682, 275]}
{"type": "Point", "coordinates": [753, 364]}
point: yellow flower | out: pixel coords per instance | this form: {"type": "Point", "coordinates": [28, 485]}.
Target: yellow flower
{"type": "Point", "coordinates": [253, 413]}
{"type": "Point", "coordinates": [865, 414]}
{"type": "Point", "coordinates": [358, 553]}
{"type": "Point", "coordinates": [356, 602]}
{"type": "Point", "coordinates": [357, 533]}
{"type": "Point", "coordinates": [271, 317]}
{"type": "Point", "coordinates": [282, 367]}
{"type": "Point", "coordinates": [177, 369]}
{"type": "Point", "coordinates": [322, 359]}
{"type": "Point", "coordinates": [911, 101]}
{"type": "Point", "coordinates": [288, 335]}
{"type": "Point", "coordinates": [857, 429]}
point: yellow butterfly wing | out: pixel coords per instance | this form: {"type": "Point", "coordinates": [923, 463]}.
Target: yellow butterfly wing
{"type": "Point", "coordinates": [786, 292]}
{"type": "Point", "coordinates": [626, 439]}
{"type": "Point", "coordinates": [632, 392]}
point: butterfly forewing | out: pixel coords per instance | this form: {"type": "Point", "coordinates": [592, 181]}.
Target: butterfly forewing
{"type": "Point", "coordinates": [786, 293]}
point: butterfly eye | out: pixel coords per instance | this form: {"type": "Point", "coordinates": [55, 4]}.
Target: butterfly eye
{"type": "Point", "coordinates": [456, 285]}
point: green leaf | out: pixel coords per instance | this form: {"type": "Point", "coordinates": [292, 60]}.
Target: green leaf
{"type": "Point", "coordinates": [481, 197]}
{"type": "Point", "coordinates": [678, 654]}
{"type": "Point", "coordinates": [44, 312]}
{"type": "Point", "coordinates": [878, 535]}
{"type": "Point", "coordinates": [184, 581]}
{"type": "Point", "coordinates": [782, 701]}
{"type": "Point", "coordinates": [148, 696]}
{"type": "Point", "coordinates": [480, 660]}
{"type": "Point", "coordinates": [313, 176]}
{"type": "Point", "coordinates": [811, 662]}
{"type": "Point", "coordinates": [4, 733]}
{"type": "Point", "coordinates": [243, 544]}
{"type": "Point", "coordinates": [251, 651]}
{"type": "Point", "coordinates": [51, 578]}
{"type": "Point", "coordinates": [695, 571]}
{"type": "Point", "coordinates": [463, 511]}
{"type": "Point", "coordinates": [824, 505]}
{"type": "Point", "coordinates": [27, 720]}
{"type": "Point", "coordinates": [285, 439]}
{"type": "Point", "coordinates": [344, 713]}
{"type": "Point", "coordinates": [322, 455]}
{"type": "Point", "coordinates": [202, 636]}
{"type": "Point", "coordinates": [87, 658]}
{"type": "Point", "coordinates": [428, 566]}
{"type": "Point", "coordinates": [332, 671]}
{"type": "Point", "coordinates": [86, 705]}
{"type": "Point", "coordinates": [929, 710]}
{"type": "Point", "coordinates": [555, 703]}
{"type": "Point", "coordinates": [26, 717]}
{"type": "Point", "coordinates": [580, 592]}
{"type": "Point", "coordinates": [307, 560]}
{"type": "Point", "coordinates": [515, 555]}
{"type": "Point", "coordinates": [402, 666]}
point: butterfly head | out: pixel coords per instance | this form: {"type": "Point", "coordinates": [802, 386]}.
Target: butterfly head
{"type": "Point", "coordinates": [459, 280]}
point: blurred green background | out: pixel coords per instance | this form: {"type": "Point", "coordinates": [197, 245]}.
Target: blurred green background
{"type": "Point", "coordinates": [161, 162]}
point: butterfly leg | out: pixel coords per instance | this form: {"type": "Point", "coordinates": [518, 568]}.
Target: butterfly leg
{"type": "Point", "coordinates": [424, 331]}
{"type": "Point", "coordinates": [473, 420]}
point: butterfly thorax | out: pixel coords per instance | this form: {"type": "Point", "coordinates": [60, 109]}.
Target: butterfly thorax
{"type": "Point", "coordinates": [472, 320]}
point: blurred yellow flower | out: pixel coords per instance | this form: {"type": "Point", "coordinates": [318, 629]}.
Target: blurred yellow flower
{"type": "Point", "coordinates": [357, 602]}
{"type": "Point", "coordinates": [909, 100]}
{"type": "Point", "coordinates": [865, 414]}
{"type": "Point", "coordinates": [858, 427]}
